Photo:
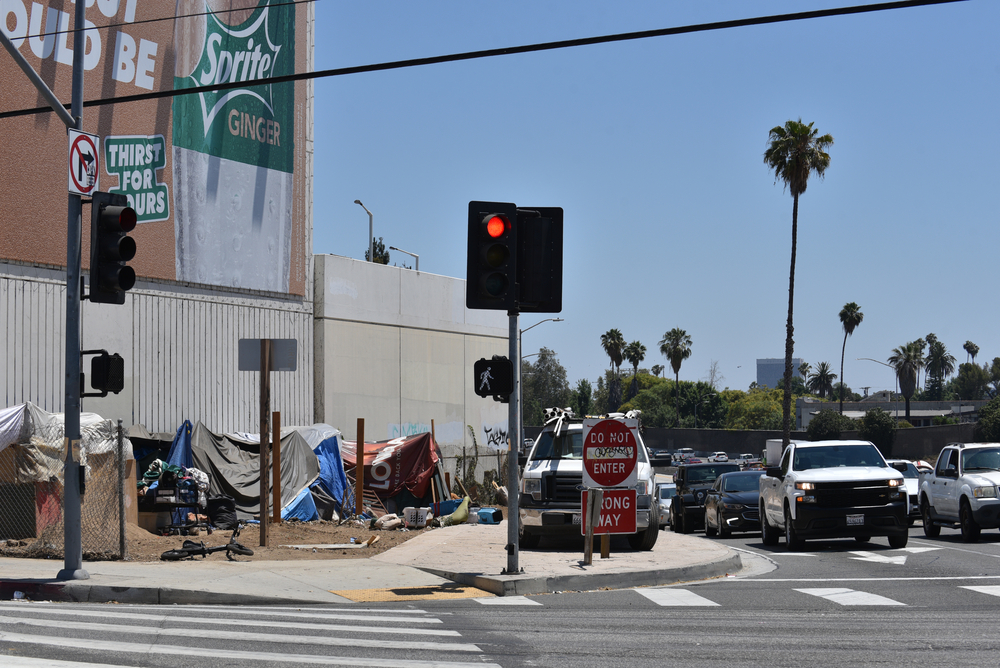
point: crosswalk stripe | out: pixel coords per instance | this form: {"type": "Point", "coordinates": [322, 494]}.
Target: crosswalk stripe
{"type": "Point", "coordinates": [992, 590]}
{"type": "Point", "coordinates": [506, 600]}
{"type": "Point", "coordinates": [849, 596]}
{"type": "Point", "coordinates": [232, 655]}
{"type": "Point", "coordinates": [189, 632]}
{"type": "Point", "coordinates": [13, 661]}
{"type": "Point", "coordinates": [675, 598]}
{"type": "Point", "coordinates": [301, 626]}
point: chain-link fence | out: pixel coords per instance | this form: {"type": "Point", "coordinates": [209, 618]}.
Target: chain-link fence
{"type": "Point", "coordinates": [32, 463]}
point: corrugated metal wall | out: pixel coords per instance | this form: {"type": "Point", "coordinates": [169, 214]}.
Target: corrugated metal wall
{"type": "Point", "coordinates": [180, 349]}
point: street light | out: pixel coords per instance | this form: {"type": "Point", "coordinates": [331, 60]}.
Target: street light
{"type": "Point", "coordinates": [698, 403]}
{"type": "Point", "coordinates": [415, 256]}
{"type": "Point", "coordinates": [520, 385]}
{"type": "Point", "coordinates": [895, 375]}
{"type": "Point", "coordinates": [371, 232]}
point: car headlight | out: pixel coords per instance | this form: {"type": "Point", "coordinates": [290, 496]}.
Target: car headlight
{"type": "Point", "coordinates": [895, 482]}
{"type": "Point", "coordinates": [733, 506]}
{"type": "Point", "coordinates": [805, 485]}
{"type": "Point", "coordinates": [984, 492]}
{"type": "Point", "coordinates": [533, 486]}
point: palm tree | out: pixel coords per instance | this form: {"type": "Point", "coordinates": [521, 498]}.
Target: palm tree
{"type": "Point", "coordinates": [657, 370]}
{"type": "Point", "coordinates": [850, 317]}
{"type": "Point", "coordinates": [940, 364]}
{"type": "Point", "coordinates": [794, 152]}
{"type": "Point", "coordinates": [805, 369]}
{"type": "Point", "coordinates": [971, 350]}
{"type": "Point", "coordinates": [821, 382]}
{"type": "Point", "coordinates": [614, 343]}
{"type": "Point", "coordinates": [907, 360]}
{"type": "Point", "coordinates": [676, 347]}
{"type": "Point", "coordinates": [634, 352]}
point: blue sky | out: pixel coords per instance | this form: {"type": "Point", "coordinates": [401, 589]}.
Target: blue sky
{"type": "Point", "coordinates": [654, 149]}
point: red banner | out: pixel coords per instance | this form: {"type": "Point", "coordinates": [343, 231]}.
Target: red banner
{"type": "Point", "coordinates": [392, 466]}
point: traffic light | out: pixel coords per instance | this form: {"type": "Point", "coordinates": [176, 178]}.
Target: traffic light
{"type": "Point", "coordinates": [107, 373]}
{"type": "Point", "coordinates": [494, 378]}
{"type": "Point", "coordinates": [539, 259]}
{"type": "Point", "coordinates": [491, 279]}
{"type": "Point", "coordinates": [111, 219]}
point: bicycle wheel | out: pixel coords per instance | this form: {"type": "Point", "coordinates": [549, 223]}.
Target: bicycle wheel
{"type": "Point", "coordinates": [174, 555]}
{"type": "Point", "coordinates": [239, 549]}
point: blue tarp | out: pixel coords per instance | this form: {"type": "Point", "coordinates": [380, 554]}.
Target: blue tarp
{"type": "Point", "coordinates": [332, 478]}
{"type": "Point", "coordinates": [301, 508]}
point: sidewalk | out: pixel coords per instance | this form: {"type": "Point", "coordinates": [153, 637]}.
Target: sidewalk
{"type": "Point", "coordinates": [460, 561]}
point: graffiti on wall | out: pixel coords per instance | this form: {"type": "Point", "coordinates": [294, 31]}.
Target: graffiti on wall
{"type": "Point", "coordinates": [495, 436]}
{"type": "Point", "coordinates": [406, 429]}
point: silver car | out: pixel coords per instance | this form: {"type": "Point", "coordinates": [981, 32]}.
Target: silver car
{"type": "Point", "coordinates": [664, 493]}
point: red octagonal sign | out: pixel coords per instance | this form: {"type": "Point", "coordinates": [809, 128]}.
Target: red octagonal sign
{"type": "Point", "coordinates": [610, 452]}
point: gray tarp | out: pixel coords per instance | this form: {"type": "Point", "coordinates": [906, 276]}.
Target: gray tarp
{"type": "Point", "coordinates": [233, 467]}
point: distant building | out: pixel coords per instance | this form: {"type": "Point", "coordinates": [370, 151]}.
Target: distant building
{"type": "Point", "coordinates": [771, 371]}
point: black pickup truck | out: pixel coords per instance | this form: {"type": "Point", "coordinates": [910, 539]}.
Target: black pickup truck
{"type": "Point", "coordinates": [687, 510]}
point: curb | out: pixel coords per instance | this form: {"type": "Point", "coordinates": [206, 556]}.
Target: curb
{"type": "Point", "coordinates": [525, 585]}
{"type": "Point", "coordinates": [76, 592]}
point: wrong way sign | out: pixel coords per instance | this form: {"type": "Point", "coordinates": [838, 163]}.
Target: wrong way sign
{"type": "Point", "coordinates": [618, 512]}
{"type": "Point", "coordinates": [84, 163]}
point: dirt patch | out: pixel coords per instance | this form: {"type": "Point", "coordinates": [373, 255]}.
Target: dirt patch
{"type": "Point", "coordinates": [145, 546]}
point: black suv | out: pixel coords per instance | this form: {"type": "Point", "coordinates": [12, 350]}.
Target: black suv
{"type": "Point", "coordinates": [687, 510]}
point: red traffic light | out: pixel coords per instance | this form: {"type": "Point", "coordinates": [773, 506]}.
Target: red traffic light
{"type": "Point", "coordinates": [496, 226]}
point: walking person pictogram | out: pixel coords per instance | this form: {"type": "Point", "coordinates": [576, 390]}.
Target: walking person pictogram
{"type": "Point", "coordinates": [484, 379]}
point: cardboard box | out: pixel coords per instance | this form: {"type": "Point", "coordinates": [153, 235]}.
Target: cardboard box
{"type": "Point", "coordinates": [151, 522]}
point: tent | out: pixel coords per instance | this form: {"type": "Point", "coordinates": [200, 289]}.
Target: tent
{"type": "Point", "coordinates": [402, 471]}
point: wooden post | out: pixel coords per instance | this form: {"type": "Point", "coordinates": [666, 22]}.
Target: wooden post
{"type": "Point", "coordinates": [592, 515]}
{"type": "Point", "coordinates": [265, 415]}
{"type": "Point", "coordinates": [359, 472]}
{"type": "Point", "coordinates": [605, 545]}
{"type": "Point", "coordinates": [276, 467]}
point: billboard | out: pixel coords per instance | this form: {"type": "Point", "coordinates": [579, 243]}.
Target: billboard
{"type": "Point", "coordinates": [218, 179]}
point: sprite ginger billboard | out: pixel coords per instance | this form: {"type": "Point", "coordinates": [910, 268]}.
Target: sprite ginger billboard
{"type": "Point", "coordinates": [218, 179]}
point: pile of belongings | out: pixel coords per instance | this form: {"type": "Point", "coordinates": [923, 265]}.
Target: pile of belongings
{"type": "Point", "coordinates": [174, 485]}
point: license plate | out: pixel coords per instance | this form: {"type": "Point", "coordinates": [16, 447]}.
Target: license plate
{"type": "Point", "coordinates": [855, 520]}
{"type": "Point", "coordinates": [577, 518]}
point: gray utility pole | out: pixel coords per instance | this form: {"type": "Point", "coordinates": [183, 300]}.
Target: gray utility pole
{"type": "Point", "coordinates": [514, 430]}
{"type": "Point", "coordinates": [72, 473]}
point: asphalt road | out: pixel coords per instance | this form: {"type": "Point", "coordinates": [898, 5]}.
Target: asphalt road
{"type": "Point", "coordinates": [835, 603]}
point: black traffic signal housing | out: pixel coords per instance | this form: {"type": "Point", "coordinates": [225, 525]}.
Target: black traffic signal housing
{"type": "Point", "coordinates": [111, 219]}
{"type": "Point", "coordinates": [494, 378]}
{"type": "Point", "coordinates": [539, 259]}
{"type": "Point", "coordinates": [515, 258]}
{"type": "Point", "coordinates": [491, 279]}
{"type": "Point", "coordinates": [107, 373]}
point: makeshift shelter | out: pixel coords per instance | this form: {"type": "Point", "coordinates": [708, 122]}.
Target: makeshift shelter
{"type": "Point", "coordinates": [401, 472]}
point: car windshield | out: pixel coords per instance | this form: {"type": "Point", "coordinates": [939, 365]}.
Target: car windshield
{"type": "Point", "coordinates": [911, 471]}
{"type": "Point", "coordinates": [827, 456]}
{"type": "Point", "coordinates": [568, 445]}
{"type": "Point", "coordinates": [742, 482]}
{"type": "Point", "coordinates": [982, 459]}
{"type": "Point", "coordinates": [667, 492]}
{"type": "Point", "coordinates": [703, 474]}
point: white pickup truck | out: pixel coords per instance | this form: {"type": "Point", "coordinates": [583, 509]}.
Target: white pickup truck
{"type": "Point", "coordinates": [961, 491]}
{"type": "Point", "coordinates": [832, 489]}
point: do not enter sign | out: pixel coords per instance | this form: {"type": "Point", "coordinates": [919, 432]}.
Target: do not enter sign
{"type": "Point", "coordinates": [610, 453]}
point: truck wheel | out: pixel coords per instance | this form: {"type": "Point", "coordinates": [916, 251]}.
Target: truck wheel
{"type": "Point", "coordinates": [970, 530]}
{"type": "Point", "coordinates": [768, 534]}
{"type": "Point", "coordinates": [792, 542]}
{"type": "Point", "coordinates": [898, 542]}
{"type": "Point", "coordinates": [931, 530]}
{"type": "Point", "coordinates": [526, 539]}
{"type": "Point", "coordinates": [724, 530]}
{"type": "Point", "coordinates": [644, 540]}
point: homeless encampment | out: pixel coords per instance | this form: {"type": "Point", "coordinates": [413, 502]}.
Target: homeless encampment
{"type": "Point", "coordinates": [401, 472]}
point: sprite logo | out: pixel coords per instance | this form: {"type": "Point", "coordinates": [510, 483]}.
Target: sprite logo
{"type": "Point", "coordinates": [254, 124]}
{"type": "Point", "coordinates": [135, 160]}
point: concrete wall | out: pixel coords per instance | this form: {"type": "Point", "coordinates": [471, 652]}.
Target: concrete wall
{"type": "Point", "coordinates": [396, 347]}
{"type": "Point", "coordinates": [180, 348]}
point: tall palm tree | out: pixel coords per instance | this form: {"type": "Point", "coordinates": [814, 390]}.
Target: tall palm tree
{"type": "Point", "coordinates": [940, 364]}
{"type": "Point", "coordinates": [676, 347]}
{"type": "Point", "coordinates": [657, 369]}
{"type": "Point", "coordinates": [821, 382]}
{"type": "Point", "coordinates": [907, 360]}
{"type": "Point", "coordinates": [850, 317]}
{"type": "Point", "coordinates": [634, 352]}
{"type": "Point", "coordinates": [805, 369]}
{"type": "Point", "coordinates": [794, 151]}
{"type": "Point", "coordinates": [614, 343]}
{"type": "Point", "coordinates": [971, 350]}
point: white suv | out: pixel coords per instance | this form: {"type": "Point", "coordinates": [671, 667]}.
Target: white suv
{"type": "Point", "coordinates": [718, 457]}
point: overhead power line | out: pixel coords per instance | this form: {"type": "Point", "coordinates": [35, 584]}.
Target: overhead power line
{"type": "Point", "coordinates": [504, 51]}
